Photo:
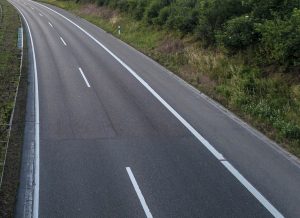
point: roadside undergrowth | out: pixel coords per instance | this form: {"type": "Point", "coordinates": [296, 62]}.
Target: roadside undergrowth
{"type": "Point", "coordinates": [9, 80]}
{"type": "Point", "coordinates": [9, 69]}
{"type": "Point", "coordinates": [266, 98]}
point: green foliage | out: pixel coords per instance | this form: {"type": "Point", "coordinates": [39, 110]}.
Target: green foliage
{"type": "Point", "coordinates": [163, 15]}
{"type": "Point", "coordinates": [238, 33]}
{"type": "Point", "coordinates": [214, 13]}
{"type": "Point", "coordinates": [280, 40]}
{"type": "Point", "coordinates": [271, 28]}
{"type": "Point", "coordinates": [102, 2]}
{"type": "Point", "coordinates": [9, 60]}
{"type": "Point", "coordinates": [9, 68]}
{"type": "Point", "coordinates": [266, 99]}
{"type": "Point", "coordinates": [153, 9]}
{"type": "Point", "coordinates": [183, 19]}
{"type": "Point", "coordinates": [266, 9]}
{"type": "Point", "coordinates": [139, 9]}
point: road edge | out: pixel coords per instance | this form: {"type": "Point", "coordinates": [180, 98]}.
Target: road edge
{"type": "Point", "coordinates": [14, 149]}
{"type": "Point", "coordinates": [27, 187]}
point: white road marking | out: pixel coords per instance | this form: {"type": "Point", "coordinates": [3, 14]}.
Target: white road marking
{"type": "Point", "coordinates": [215, 153]}
{"type": "Point", "coordinates": [41, 14]}
{"type": "Point", "coordinates": [63, 41]}
{"type": "Point", "coordinates": [85, 79]}
{"type": "Point", "coordinates": [32, 8]}
{"type": "Point", "coordinates": [37, 129]}
{"type": "Point", "coordinates": [139, 193]}
{"type": "Point", "coordinates": [50, 24]}
{"type": "Point", "coordinates": [251, 189]}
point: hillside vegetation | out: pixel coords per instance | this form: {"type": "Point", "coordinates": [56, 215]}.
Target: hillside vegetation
{"type": "Point", "coordinates": [9, 69]}
{"type": "Point", "coordinates": [245, 54]}
{"type": "Point", "coordinates": [10, 79]}
{"type": "Point", "coordinates": [270, 27]}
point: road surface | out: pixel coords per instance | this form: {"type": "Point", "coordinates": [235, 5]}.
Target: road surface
{"type": "Point", "coordinates": [117, 135]}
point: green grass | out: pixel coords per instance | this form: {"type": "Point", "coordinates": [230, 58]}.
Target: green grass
{"type": "Point", "coordinates": [9, 68]}
{"type": "Point", "coordinates": [9, 79]}
{"type": "Point", "coordinates": [269, 101]}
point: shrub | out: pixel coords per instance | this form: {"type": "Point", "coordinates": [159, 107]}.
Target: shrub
{"type": "Point", "coordinates": [163, 16]}
{"type": "Point", "coordinates": [152, 11]}
{"type": "Point", "coordinates": [183, 19]}
{"type": "Point", "coordinates": [281, 40]}
{"type": "Point", "coordinates": [213, 14]}
{"type": "Point", "coordinates": [238, 33]}
{"type": "Point", "coordinates": [267, 9]}
{"type": "Point", "coordinates": [138, 11]}
{"type": "Point", "coordinates": [124, 5]}
{"type": "Point", "coordinates": [290, 130]}
{"type": "Point", "coordinates": [102, 2]}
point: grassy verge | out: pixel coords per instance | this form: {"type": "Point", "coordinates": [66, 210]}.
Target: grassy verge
{"type": "Point", "coordinates": [267, 99]}
{"type": "Point", "coordinates": [9, 68]}
{"type": "Point", "coordinates": [9, 78]}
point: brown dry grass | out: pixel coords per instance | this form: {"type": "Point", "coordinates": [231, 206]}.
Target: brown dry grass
{"type": "Point", "coordinates": [103, 12]}
{"type": "Point", "coordinates": [170, 45]}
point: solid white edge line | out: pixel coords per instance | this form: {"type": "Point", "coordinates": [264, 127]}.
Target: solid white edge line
{"type": "Point", "coordinates": [251, 189]}
{"type": "Point", "coordinates": [139, 193]}
{"type": "Point", "coordinates": [218, 155]}
{"type": "Point", "coordinates": [50, 24]}
{"type": "Point", "coordinates": [85, 79]}
{"type": "Point", "coordinates": [37, 128]}
{"type": "Point", "coordinates": [63, 41]}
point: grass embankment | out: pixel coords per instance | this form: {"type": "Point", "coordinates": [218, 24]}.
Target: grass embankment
{"type": "Point", "coordinates": [269, 100]}
{"type": "Point", "coordinates": [9, 67]}
{"type": "Point", "coordinates": [9, 80]}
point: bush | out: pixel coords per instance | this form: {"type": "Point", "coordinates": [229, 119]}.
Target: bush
{"type": "Point", "coordinates": [267, 9]}
{"type": "Point", "coordinates": [138, 11]}
{"type": "Point", "coordinates": [102, 2]}
{"type": "Point", "coordinates": [183, 19]}
{"type": "Point", "coordinates": [213, 15]}
{"type": "Point", "coordinates": [179, 15]}
{"type": "Point", "coordinates": [124, 5]}
{"type": "Point", "coordinates": [281, 40]}
{"type": "Point", "coordinates": [290, 130]}
{"type": "Point", "coordinates": [163, 16]}
{"type": "Point", "coordinates": [238, 33]}
{"type": "Point", "coordinates": [152, 11]}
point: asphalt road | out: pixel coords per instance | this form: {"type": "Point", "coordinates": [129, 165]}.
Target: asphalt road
{"type": "Point", "coordinates": [117, 135]}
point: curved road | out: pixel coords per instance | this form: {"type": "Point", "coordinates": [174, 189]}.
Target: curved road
{"type": "Point", "coordinates": [117, 135]}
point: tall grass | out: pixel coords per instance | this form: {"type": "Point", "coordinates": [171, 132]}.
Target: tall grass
{"type": "Point", "coordinates": [9, 68]}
